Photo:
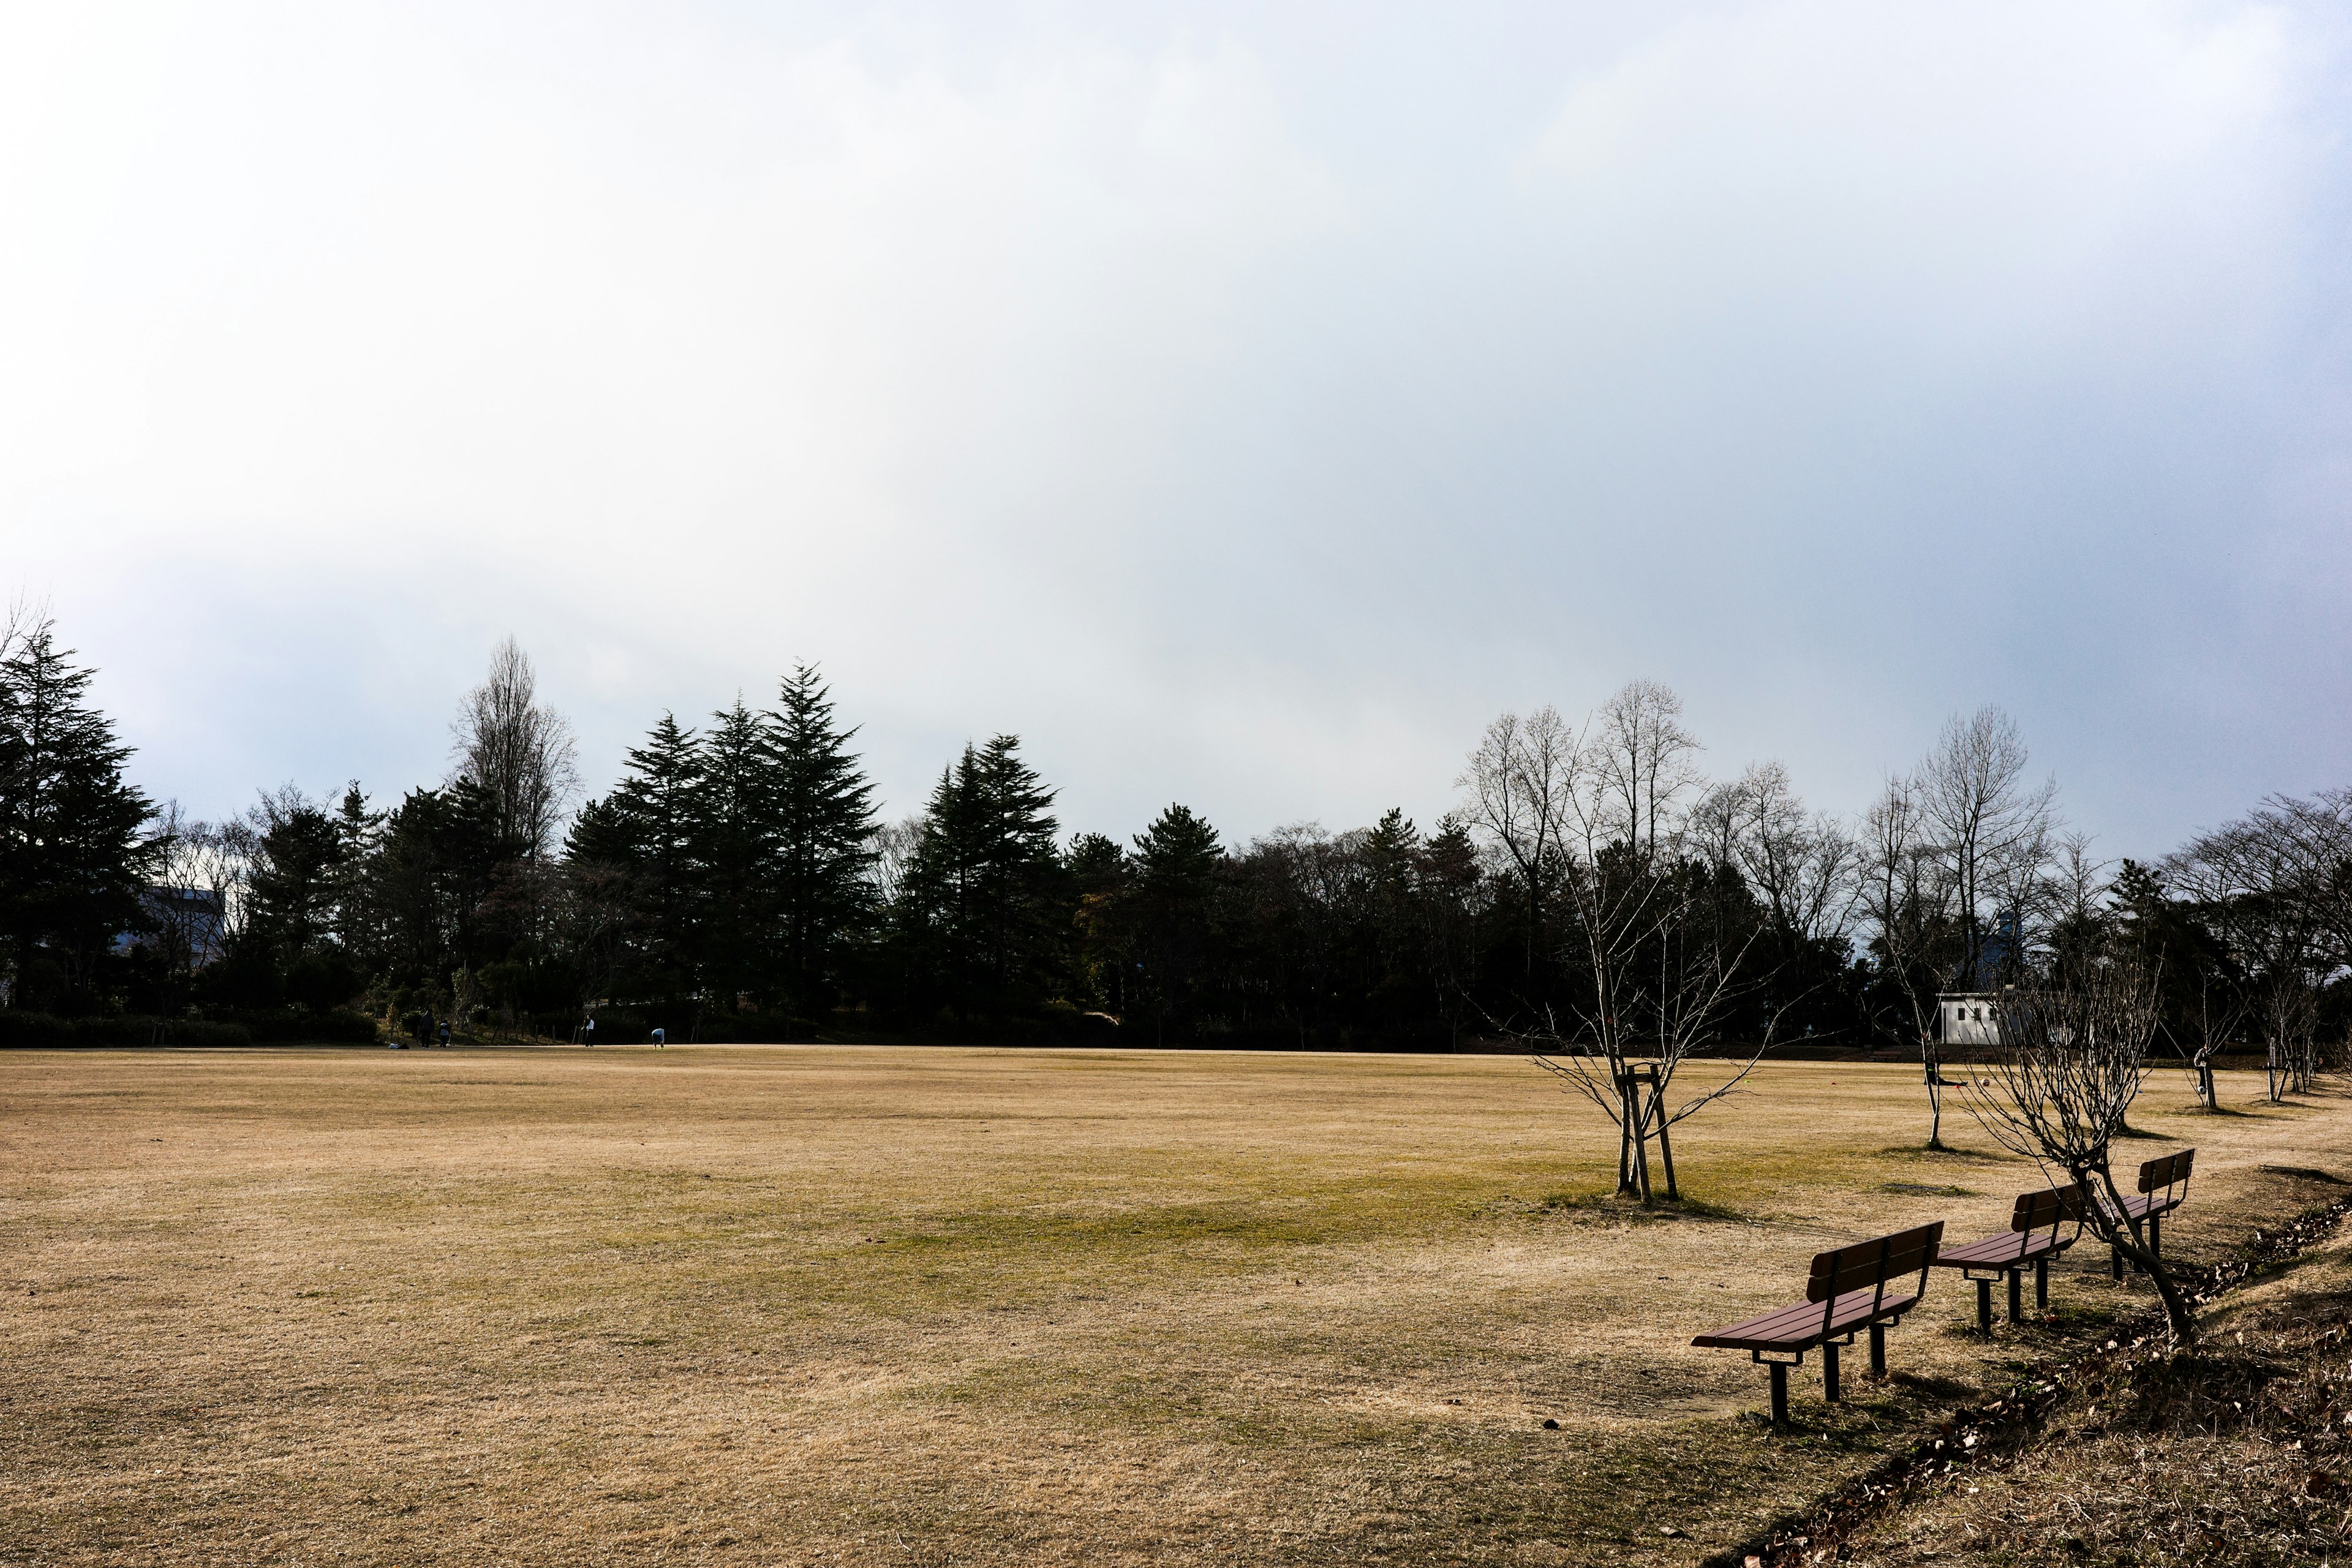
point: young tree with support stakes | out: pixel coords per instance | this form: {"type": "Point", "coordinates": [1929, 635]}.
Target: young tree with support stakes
{"type": "Point", "coordinates": [2056, 1090]}
{"type": "Point", "coordinates": [2219, 1018]}
{"type": "Point", "coordinates": [1958, 853]}
{"type": "Point", "coordinates": [1906, 896]}
{"type": "Point", "coordinates": [1659, 936]}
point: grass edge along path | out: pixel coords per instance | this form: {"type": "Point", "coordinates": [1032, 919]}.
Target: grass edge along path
{"type": "Point", "coordinates": [2002, 1430]}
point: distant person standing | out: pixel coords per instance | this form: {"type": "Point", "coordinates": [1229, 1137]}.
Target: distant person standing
{"type": "Point", "coordinates": [588, 1032]}
{"type": "Point", "coordinates": [424, 1029]}
{"type": "Point", "coordinates": [445, 1034]}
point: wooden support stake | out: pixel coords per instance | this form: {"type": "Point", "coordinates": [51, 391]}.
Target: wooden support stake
{"type": "Point", "coordinates": [1666, 1149]}
{"type": "Point", "coordinates": [1625, 1136]}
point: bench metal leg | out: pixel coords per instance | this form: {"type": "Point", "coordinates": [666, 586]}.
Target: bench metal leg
{"type": "Point", "coordinates": [1878, 1349]}
{"type": "Point", "coordinates": [1780, 1393]}
{"type": "Point", "coordinates": [2041, 1284]}
{"type": "Point", "coordinates": [2016, 1294]}
{"type": "Point", "coordinates": [1829, 1373]}
{"type": "Point", "coordinates": [2156, 1234]}
{"type": "Point", "coordinates": [1984, 1308]}
{"type": "Point", "coordinates": [2115, 1256]}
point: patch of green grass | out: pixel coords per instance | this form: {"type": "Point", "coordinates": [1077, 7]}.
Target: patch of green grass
{"type": "Point", "coordinates": [1634, 1211]}
{"type": "Point", "coordinates": [1926, 1190]}
{"type": "Point", "coordinates": [1970, 1156]}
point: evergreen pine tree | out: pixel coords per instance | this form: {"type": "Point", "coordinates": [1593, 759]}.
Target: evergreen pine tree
{"type": "Point", "coordinates": [825, 824]}
{"type": "Point", "coordinates": [1099, 876]}
{"type": "Point", "coordinates": [648, 826]}
{"type": "Point", "coordinates": [1020, 867]}
{"type": "Point", "coordinates": [1176, 863]}
{"type": "Point", "coordinates": [985, 884]}
{"type": "Point", "coordinates": [298, 867]}
{"type": "Point", "coordinates": [734, 856]}
{"type": "Point", "coordinates": [73, 860]}
{"type": "Point", "coordinates": [357, 922]}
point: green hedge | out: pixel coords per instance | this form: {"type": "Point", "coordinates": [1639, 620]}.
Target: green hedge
{"type": "Point", "coordinates": [293, 1026]}
{"type": "Point", "coordinates": [22, 1029]}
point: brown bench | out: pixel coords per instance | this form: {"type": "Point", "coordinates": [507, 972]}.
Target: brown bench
{"type": "Point", "coordinates": [2163, 1186]}
{"type": "Point", "coordinates": [2033, 1237]}
{"type": "Point", "coordinates": [1868, 1285]}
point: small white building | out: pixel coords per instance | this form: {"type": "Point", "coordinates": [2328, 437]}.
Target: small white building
{"type": "Point", "coordinates": [1968, 1017]}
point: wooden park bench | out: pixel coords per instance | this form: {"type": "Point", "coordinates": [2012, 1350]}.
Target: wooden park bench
{"type": "Point", "coordinates": [1869, 1285]}
{"type": "Point", "coordinates": [2034, 1237]}
{"type": "Point", "coordinates": [2163, 1185]}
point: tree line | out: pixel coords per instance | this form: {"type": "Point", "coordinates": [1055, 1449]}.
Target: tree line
{"type": "Point", "coordinates": [1592, 887]}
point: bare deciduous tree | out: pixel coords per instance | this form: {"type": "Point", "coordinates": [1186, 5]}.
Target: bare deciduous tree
{"type": "Point", "coordinates": [198, 904]}
{"type": "Point", "coordinates": [894, 845]}
{"type": "Point", "coordinates": [1993, 829]}
{"type": "Point", "coordinates": [1803, 865]}
{"type": "Point", "coordinates": [2057, 1088]}
{"type": "Point", "coordinates": [1518, 780]}
{"type": "Point", "coordinates": [2277, 889]}
{"type": "Point", "coordinates": [519, 751]}
{"type": "Point", "coordinates": [1637, 754]}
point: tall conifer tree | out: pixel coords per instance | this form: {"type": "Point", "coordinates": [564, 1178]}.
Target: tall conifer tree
{"type": "Point", "coordinates": [986, 879]}
{"type": "Point", "coordinates": [825, 824]}
{"type": "Point", "coordinates": [736, 837]}
{"type": "Point", "coordinates": [73, 859]}
{"type": "Point", "coordinates": [646, 825]}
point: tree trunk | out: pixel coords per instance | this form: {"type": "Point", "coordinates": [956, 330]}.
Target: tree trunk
{"type": "Point", "coordinates": [2128, 1240]}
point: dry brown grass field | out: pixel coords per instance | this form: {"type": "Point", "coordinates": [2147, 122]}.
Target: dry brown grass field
{"type": "Point", "coordinates": [945, 1306]}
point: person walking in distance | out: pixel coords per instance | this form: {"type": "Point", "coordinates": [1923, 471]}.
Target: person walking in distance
{"type": "Point", "coordinates": [588, 1032]}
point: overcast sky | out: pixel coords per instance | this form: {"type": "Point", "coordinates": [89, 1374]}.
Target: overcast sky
{"type": "Point", "coordinates": [1241, 404]}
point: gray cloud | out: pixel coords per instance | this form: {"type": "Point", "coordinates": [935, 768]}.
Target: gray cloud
{"type": "Point", "coordinates": [1241, 406]}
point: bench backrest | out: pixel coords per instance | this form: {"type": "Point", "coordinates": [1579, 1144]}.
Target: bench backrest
{"type": "Point", "coordinates": [2047, 1209]}
{"type": "Point", "coordinates": [1867, 1265]}
{"type": "Point", "coordinates": [2168, 1171]}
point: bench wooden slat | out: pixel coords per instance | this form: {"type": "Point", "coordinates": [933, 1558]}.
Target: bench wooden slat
{"type": "Point", "coordinates": [2002, 1251]}
{"type": "Point", "coordinates": [2148, 1203]}
{"type": "Point", "coordinates": [1802, 1325]}
{"type": "Point", "coordinates": [2047, 1209]}
{"type": "Point", "coordinates": [2163, 1186]}
{"type": "Point", "coordinates": [2167, 1170]}
{"type": "Point", "coordinates": [2033, 1236]}
{"type": "Point", "coordinates": [1870, 1263]}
